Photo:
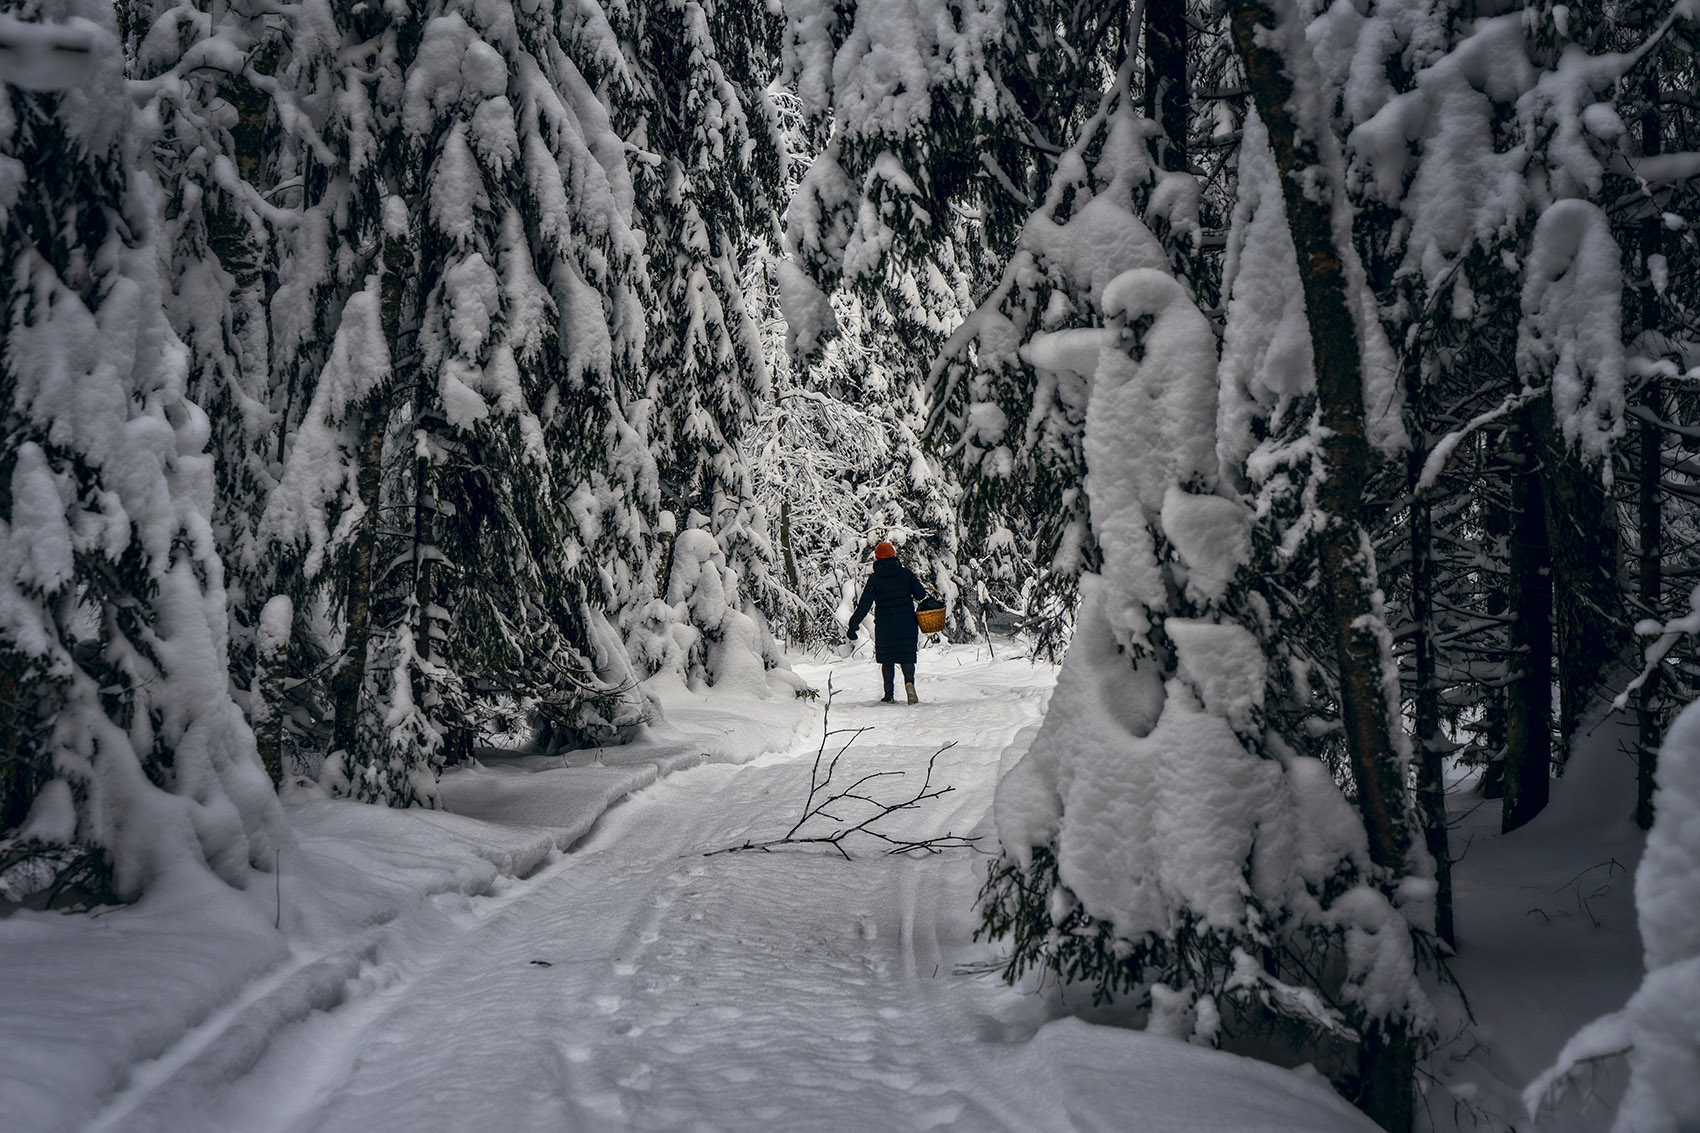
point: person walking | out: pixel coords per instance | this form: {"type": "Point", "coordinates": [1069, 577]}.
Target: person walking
{"type": "Point", "coordinates": [891, 592]}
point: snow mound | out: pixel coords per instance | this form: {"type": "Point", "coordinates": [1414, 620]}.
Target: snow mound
{"type": "Point", "coordinates": [1658, 1031]}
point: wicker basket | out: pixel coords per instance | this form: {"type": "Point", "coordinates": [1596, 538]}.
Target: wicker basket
{"type": "Point", "coordinates": [931, 620]}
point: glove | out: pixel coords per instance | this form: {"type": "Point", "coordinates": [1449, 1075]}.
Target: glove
{"type": "Point", "coordinates": [852, 636]}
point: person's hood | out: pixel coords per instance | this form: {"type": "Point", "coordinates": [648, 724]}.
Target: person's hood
{"type": "Point", "coordinates": [887, 566]}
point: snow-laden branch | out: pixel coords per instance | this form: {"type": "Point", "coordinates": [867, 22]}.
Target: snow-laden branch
{"type": "Point", "coordinates": [1669, 633]}
{"type": "Point", "coordinates": [51, 56]}
{"type": "Point", "coordinates": [1447, 445]}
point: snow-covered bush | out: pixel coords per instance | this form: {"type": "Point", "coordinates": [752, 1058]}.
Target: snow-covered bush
{"type": "Point", "coordinates": [121, 736]}
{"type": "Point", "coordinates": [1657, 1032]}
{"type": "Point", "coordinates": [700, 632]}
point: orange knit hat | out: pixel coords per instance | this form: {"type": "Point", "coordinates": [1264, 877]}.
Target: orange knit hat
{"type": "Point", "coordinates": [885, 551]}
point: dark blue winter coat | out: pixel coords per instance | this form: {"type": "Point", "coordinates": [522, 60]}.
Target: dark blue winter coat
{"type": "Point", "coordinates": [892, 592]}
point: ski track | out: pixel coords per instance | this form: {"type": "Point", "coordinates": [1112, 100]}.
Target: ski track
{"type": "Point", "coordinates": [637, 984]}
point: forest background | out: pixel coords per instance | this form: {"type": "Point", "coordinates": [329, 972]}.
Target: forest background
{"type": "Point", "coordinates": [381, 382]}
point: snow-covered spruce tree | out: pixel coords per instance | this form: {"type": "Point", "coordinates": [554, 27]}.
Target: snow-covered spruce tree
{"type": "Point", "coordinates": [1349, 410]}
{"type": "Point", "coordinates": [903, 92]}
{"type": "Point", "coordinates": [1169, 835]}
{"type": "Point", "coordinates": [1615, 128]}
{"type": "Point", "coordinates": [703, 632]}
{"type": "Point", "coordinates": [246, 109]}
{"type": "Point", "coordinates": [1104, 878]}
{"type": "Point", "coordinates": [1014, 427]}
{"type": "Point", "coordinates": [211, 138]}
{"type": "Point", "coordinates": [1662, 266]}
{"type": "Point", "coordinates": [477, 400]}
{"type": "Point", "coordinates": [532, 287]}
{"type": "Point", "coordinates": [251, 118]}
{"type": "Point", "coordinates": [690, 96]}
{"type": "Point", "coordinates": [322, 520]}
{"type": "Point", "coordinates": [126, 764]}
{"type": "Point", "coordinates": [1473, 168]}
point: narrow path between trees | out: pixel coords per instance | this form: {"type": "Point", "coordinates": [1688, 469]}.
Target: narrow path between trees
{"type": "Point", "coordinates": [638, 984]}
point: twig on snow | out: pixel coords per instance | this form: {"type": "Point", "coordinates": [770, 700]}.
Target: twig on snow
{"type": "Point", "coordinates": [824, 800]}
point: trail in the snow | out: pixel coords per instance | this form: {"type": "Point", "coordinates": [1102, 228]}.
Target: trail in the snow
{"type": "Point", "coordinates": [639, 984]}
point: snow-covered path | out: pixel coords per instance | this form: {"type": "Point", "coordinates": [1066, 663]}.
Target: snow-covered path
{"type": "Point", "coordinates": [636, 983]}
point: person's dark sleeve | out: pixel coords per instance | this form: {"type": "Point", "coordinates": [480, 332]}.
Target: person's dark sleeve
{"type": "Point", "coordinates": [863, 606]}
{"type": "Point", "coordinates": [917, 590]}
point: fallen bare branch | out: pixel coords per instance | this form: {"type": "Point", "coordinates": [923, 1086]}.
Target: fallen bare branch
{"type": "Point", "coordinates": [826, 803]}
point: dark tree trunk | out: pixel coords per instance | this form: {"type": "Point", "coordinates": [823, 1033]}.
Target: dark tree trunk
{"type": "Point", "coordinates": [1496, 529]}
{"type": "Point", "coordinates": [19, 777]}
{"type": "Point", "coordinates": [1168, 96]}
{"type": "Point", "coordinates": [792, 579]}
{"type": "Point", "coordinates": [228, 234]}
{"type": "Point", "coordinates": [1425, 698]}
{"type": "Point", "coordinates": [1528, 725]}
{"type": "Point", "coordinates": [1349, 581]}
{"type": "Point", "coordinates": [1649, 718]}
{"type": "Point", "coordinates": [1387, 1058]}
{"type": "Point", "coordinates": [1582, 539]}
{"type": "Point", "coordinates": [350, 673]}
{"type": "Point", "coordinates": [270, 701]}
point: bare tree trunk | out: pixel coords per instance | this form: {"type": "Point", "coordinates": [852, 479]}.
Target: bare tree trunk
{"type": "Point", "coordinates": [1528, 726]}
{"type": "Point", "coordinates": [1388, 1053]}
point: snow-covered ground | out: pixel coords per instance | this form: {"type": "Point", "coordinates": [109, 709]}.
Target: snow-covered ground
{"type": "Point", "coordinates": [1547, 942]}
{"type": "Point", "coordinates": [497, 967]}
